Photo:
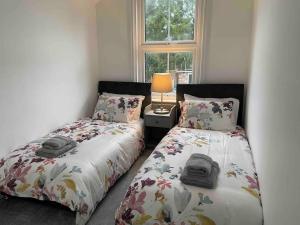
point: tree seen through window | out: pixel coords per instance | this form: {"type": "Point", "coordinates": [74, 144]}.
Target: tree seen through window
{"type": "Point", "coordinates": [169, 21]}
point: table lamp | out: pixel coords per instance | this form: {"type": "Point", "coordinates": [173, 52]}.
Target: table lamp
{"type": "Point", "coordinates": [162, 83]}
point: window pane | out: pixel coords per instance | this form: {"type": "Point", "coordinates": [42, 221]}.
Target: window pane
{"type": "Point", "coordinates": [181, 67]}
{"type": "Point", "coordinates": [156, 20]}
{"type": "Point", "coordinates": [169, 20]}
{"type": "Point", "coordinates": [155, 63]}
{"type": "Point", "coordinates": [182, 19]}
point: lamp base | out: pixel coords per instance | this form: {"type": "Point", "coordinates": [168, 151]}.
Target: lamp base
{"type": "Point", "coordinates": [161, 111]}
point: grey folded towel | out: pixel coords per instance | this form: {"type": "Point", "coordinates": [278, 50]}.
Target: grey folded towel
{"type": "Point", "coordinates": [206, 182]}
{"type": "Point", "coordinates": [200, 165]}
{"type": "Point", "coordinates": [49, 153]}
{"type": "Point", "coordinates": [56, 142]}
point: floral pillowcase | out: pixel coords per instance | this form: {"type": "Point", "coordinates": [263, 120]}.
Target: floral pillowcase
{"type": "Point", "coordinates": [207, 115]}
{"type": "Point", "coordinates": [118, 109]}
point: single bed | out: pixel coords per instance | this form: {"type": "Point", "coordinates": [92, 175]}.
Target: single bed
{"type": "Point", "coordinates": [80, 178]}
{"type": "Point", "coordinates": [156, 196]}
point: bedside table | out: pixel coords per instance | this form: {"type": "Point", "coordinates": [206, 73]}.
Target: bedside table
{"type": "Point", "coordinates": [157, 125]}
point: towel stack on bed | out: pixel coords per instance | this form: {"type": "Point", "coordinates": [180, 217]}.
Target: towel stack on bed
{"type": "Point", "coordinates": [200, 170]}
{"type": "Point", "coordinates": [56, 146]}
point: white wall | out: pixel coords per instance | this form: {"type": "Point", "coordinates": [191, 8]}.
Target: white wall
{"type": "Point", "coordinates": [114, 19]}
{"type": "Point", "coordinates": [274, 109]}
{"type": "Point", "coordinates": [48, 68]}
{"type": "Point", "coordinates": [227, 40]}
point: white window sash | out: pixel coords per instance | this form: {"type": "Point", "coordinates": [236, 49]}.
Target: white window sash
{"type": "Point", "coordinates": [148, 49]}
{"type": "Point", "coordinates": [140, 47]}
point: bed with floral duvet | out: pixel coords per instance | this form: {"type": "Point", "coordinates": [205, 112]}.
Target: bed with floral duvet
{"type": "Point", "coordinates": [156, 196]}
{"type": "Point", "coordinates": [80, 178]}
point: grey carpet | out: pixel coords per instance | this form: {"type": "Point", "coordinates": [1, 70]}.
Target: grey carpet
{"type": "Point", "coordinates": [21, 211]}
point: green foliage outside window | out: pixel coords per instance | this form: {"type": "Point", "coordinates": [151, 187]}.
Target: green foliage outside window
{"type": "Point", "coordinates": [168, 20]}
{"type": "Point", "coordinates": [180, 27]}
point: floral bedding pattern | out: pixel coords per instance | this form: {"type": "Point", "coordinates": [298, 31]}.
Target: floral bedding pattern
{"type": "Point", "coordinates": [156, 196]}
{"type": "Point", "coordinates": [208, 115]}
{"type": "Point", "coordinates": [118, 109]}
{"type": "Point", "coordinates": [80, 178]}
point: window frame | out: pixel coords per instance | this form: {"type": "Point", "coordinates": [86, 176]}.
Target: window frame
{"type": "Point", "coordinates": [140, 46]}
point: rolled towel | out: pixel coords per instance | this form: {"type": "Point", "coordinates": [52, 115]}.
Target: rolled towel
{"type": "Point", "coordinates": [200, 165]}
{"type": "Point", "coordinates": [56, 142]}
{"type": "Point", "coordinates": [49, 153]}
{"type": "Point", "coordinates": [206, 182]}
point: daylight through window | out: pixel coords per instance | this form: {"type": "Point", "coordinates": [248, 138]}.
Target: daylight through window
{"type": "Point", "coordinates": [167, 39]}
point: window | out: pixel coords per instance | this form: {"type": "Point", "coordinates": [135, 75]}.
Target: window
{"type": "Point", "coordinates": [179, 64]}
{"type": "Point", "coordinates": [169, 20]}
{"type": "Point", "coordinates": [167, 38]}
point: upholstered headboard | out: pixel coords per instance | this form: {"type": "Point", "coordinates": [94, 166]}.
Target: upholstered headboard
{"type": "Point", "coordinates": [129, 88]}
{"type": "Point", "coordinates": [214, 91]}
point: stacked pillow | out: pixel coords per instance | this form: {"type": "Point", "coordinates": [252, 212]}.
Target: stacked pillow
{"type": "Point", "coordinates": [209, 113]}
{"type": "Point", "coordinates": [118, 108]}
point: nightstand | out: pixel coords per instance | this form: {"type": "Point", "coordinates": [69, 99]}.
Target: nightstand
{"type": "Point", "coordinates": [157, 125]}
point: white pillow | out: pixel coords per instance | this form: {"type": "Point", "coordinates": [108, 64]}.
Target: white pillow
{"type": "Point", "coordinates": [121, 95]}
{"type": "Point", "coordinates": [118, 108]}
{"type": "Point", "coordinates": [207, 115]}
{"type": "Point", "coordinates": [236, 103]}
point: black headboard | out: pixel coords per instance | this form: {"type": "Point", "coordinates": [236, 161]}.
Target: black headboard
{"type": "Point", "coordinates": [214, 91]}
{"type": "Point", "coordinates": [129, 88]}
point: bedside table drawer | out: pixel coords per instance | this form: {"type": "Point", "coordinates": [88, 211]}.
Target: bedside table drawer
{"type": "Point", "coordinates": [158, 121]}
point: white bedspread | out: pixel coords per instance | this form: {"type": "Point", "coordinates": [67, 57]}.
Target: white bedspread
{"type": "Point", "coordinates": [157, 196]}
{"type": "Point", "coordinates": [80, 178]}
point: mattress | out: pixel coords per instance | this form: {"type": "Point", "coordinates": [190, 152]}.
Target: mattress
{"type": "Point", "coordinates": [80, 178]}
{"type": "Point", "coordinates": [156, 196]}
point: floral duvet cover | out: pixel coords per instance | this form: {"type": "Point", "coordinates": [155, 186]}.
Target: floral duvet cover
{"type": "Point", "coordinates": [156, 196]}
{"type": "Point", "coordinates": [80, 178]}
